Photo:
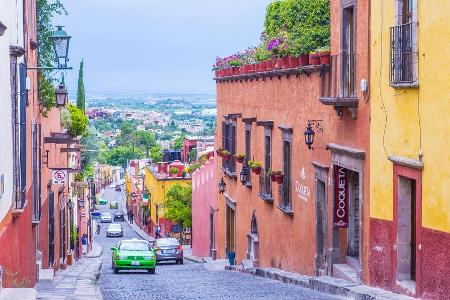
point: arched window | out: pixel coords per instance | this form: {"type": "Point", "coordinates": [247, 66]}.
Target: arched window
{"type": "Point", "coordinates": [254, 224]}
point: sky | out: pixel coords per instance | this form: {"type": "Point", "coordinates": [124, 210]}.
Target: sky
{"type": "Point", "coordinates": [156, 46]}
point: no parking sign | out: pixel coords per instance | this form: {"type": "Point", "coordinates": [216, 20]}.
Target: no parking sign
{"type": "Point", "coordinates": [59, 177]}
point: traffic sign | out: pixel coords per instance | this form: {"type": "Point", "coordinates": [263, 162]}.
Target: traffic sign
{"type": "Point", "coordinates": [59, 177]}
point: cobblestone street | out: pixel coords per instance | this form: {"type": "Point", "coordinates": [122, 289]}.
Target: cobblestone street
{"type": "Point", "coordinates": [188, 281]}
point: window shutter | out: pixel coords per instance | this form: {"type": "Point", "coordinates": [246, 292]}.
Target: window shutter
{"type": "Point", "coordinates": [23, 130]}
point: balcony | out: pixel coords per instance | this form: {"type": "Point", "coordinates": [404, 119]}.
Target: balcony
{"type": "Point", "coordinates": [403, 62]}
{"type": "Point", "coordinates": [339, 86]}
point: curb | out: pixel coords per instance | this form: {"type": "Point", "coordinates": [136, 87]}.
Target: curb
{"type": "Point", "coordinates": [325, 284]}
{"type": "Point", "coordinates": [96, 255]}
{"type": "Point", "coordinates": [195, 259]}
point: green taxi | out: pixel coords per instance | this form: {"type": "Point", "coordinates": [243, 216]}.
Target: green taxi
{"type": "Point", "coordinates": [102, 201]}
{"type": "Point", "coordinates": [133, 255]}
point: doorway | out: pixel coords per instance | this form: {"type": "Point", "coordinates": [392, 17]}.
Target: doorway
{"type": "Point", "coordinates": [253, 241]}
{"type": "Point", "coordinates": [353, 229]}
{"type": "Point", "coordinates": [321, 229]}
{"type": "Point", "coordinates": [231, 229]}
{"type": "Point", "coordinates": [406, 229]}
{"type": "Point", "coordinates": [212, 245]}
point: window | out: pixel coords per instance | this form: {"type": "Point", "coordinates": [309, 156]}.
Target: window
{"type": "Point", "coordinates": [36, 162]}
{"type": "Point", "coordinates": [265, 181]}
{"type": "Point", "coordinates": [248, 139]}
{"type": "Point", "coordinates": [287, 172]}
{"type": "Point", "coordinates": [403, 37]}
{"type": "Point", "coordinates": [348, 53]}
{"type": "Point", "coordinates": [229, 143]}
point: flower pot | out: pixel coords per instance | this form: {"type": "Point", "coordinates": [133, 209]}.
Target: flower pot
{"type": "Point", "coordinates": [216, 73]}
{"type": "Point", "coordinates": [314, 59]}
{"type": "Point", "coordinates": [256, 170]}
{"type": "Point", "coordinates": [240, 159]}
{"type": "Point", "coordinates": [304, 60]}
{"type": "Point", "coordinates": [285, 62]}
{"type": "Point", "coordinates": [246, 69]}
{"type": "Point", "coordinates": [270, 65]}
{"type": "Point", "coordinates": [279, 178]}
{"type": "Point", "coordinates": [226, 156]}
{"type": "Point", "coordinates": [324, 58]}
{"type": "Point", "coordinates": [252, 68]}
{"type": "Point", "coordinates": [294, 62]}
{"type": "Point", "coordinates": [263, 66]}
{"type": "Point", "coordinates": [234, 70]}
{"type": "Point", "coordinates": [278, 64]}
{"type": "Point", "coordinates": [273, 177]}
{"type": "Point", "coordinates": [218, 152]}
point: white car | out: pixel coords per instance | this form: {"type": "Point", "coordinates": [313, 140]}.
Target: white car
{"type": "Point", "coordinates": [106, 217]}
{"type": "Point", "coordinates": [114, 229]}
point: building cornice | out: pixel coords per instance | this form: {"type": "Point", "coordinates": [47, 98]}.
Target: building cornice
{"type": "Point", "coordinates": [407, 162]}
{"type": "Point", "coordinates": [343, 150]}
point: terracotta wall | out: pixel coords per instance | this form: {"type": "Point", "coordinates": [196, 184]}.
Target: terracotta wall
{"type": "Point", "coordinates": [204, 202]}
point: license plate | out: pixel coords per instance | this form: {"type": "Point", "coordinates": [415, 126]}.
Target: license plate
{"type": "Point", "coordinates": [170, 251]}
{"type": "Point", "coordinates": [135, 263]}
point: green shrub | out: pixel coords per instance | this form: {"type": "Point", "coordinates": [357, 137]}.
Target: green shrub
{"type": "Point", "coordinates": [78, 121]}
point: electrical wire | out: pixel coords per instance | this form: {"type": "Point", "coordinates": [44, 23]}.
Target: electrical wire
{"type": "Point", "coordinates": [379, 81]}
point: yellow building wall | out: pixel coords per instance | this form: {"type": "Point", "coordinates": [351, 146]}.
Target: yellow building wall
{"type": "Point", "coordinates": [127, 186]}
{"type": "Point", "coordinates": [408, 120]}
{"type": "Point", "coordinates": [158, 189]}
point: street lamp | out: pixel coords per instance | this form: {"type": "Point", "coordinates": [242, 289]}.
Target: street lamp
{"type": "Point", "coordinates": [244, 173]}
{"type": "Point", "coordinates": [222, 186]}
{"type": "Point", "coordinates": [60, 41]}
{"type": "Point", "coordinates": [61, 95]}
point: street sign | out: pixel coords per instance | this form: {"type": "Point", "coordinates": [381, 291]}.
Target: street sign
{"type": "Point", "coordinates": [59, 176]}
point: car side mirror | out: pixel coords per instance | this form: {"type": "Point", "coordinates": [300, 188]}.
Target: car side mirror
{"type": "Point", "coordinates": [113, 248]}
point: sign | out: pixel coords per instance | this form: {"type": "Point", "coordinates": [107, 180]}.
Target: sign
{"type": "Point", "coordinates": [303, 192]}
{"type": "Point", "coordinates": [59, 177]}
{"type": "Point", "coordinates": [340, 197]}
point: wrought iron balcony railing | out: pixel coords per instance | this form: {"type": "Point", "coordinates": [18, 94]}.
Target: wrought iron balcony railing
{"type": "Point", "coordinates": [403, 55]}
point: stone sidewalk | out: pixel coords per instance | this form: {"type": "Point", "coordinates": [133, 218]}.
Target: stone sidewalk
{"type": "Point", "coordinates": [77, 282]}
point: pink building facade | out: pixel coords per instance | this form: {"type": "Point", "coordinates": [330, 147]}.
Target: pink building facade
{"type": "Point", "coordinates": [204, 210]}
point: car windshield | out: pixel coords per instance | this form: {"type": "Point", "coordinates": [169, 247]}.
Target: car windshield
{"type": "Point", "coordinates": [115, 226]}
{"type": "Point", "coordinates": [118, 213]}
{"type": "Point", "coordinates": [106, 215]}
{"type": "Point", "coordinates": [135, 246]}
{"type": "Point", "coordinates": [167, 242]}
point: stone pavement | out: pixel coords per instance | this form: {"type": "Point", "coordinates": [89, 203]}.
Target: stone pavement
{"type": "Point", "coordinates": [77, 282]}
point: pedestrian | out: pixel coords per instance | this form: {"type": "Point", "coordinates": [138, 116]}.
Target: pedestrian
{"type": "Point", "coordinates": [131, 217]}
{"type": "Point", "coordinates": [128, 215]}
{"type": "Point", "coordinates": [84, 244]}
{"type": "Point", "coordinates": [157, 231]}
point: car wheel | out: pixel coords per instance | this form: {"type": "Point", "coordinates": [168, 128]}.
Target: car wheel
{"type": "Point", "coordinates": [116, 270]}
{"type": "Point", "coordinates": [180, 262]}
{"type": "Point", "coordinates": [112, 265]}
{"type": "Point", "coordinates": [151, 271]}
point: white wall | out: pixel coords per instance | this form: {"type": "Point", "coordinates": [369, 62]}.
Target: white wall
{"type": "Point", "coordinates": [11, 14]}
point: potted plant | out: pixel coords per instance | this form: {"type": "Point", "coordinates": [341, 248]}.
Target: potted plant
{"type": "Point", "coordinates": [304, 60]}
{"type": "Point", "coordinates": [273, 174]}
{"type": "Point", "coordinates": [219, 151]}
{"type": "Point", "coordinates": [239, 157]}
{"type": "Point", "coordinates": [173, 171]}
{"type": "Point", "coordinates": [255, 166]}
{"type": "Point", "coordinates": [226, 154]}
{"type": "Point", "coordinates": [294, 62]}
{"type": "Point", "coordinates": [314, 58]}
{"type": "Point", "coordinates": [279, 178]}
{"type": "Point", "coordinates": [324, 55]}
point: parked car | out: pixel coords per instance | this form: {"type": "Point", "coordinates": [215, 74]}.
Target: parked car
{"type": "Point", "coordinates": [102, 201]}
{"type": "Point", "coordinates": [114, 229]}
{"type": "Point", "coordinates": [106, 217]}
{"type": "Point", "coordinates": [96, 214]}
{"type": "Point", "coordinates": [168, 249]}
{"type": "Point", "coordinates": [113, 205]}
{"type": "Point", "coordinates": [118, 188]}
{"type": "Point", "coordinates": [119, 216]}
{"type": "Point", "coordinates": [133, 255]}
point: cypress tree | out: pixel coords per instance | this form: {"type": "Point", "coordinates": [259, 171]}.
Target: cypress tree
{"type": "Point", "coordinates": [81, 99]}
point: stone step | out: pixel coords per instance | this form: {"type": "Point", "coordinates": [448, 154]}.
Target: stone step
{"type": "Point", "coordinates": [46, 275]}
{"type": "Point", "coordinates": [344, 271]}
{"type": "Point", "coordinates": [353, 262]}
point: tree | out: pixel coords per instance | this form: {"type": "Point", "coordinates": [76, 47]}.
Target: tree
{"type": "Point", "coordinates": [119, 156]}
{"type": "Point", "coordinates": [144, 139]}
{"type": "Point", "coordinates": [81, 98]}
{"type": "Point", "coordinates": [178, 143]}
{"type": "Point", "coordinates": [193, 154]}
{"type": "Point", "coordinates": [179, 204]}
{"type": "Point", "coordinates": [77, 123]}
{"type": "Point", "coordinates": [156, 154]}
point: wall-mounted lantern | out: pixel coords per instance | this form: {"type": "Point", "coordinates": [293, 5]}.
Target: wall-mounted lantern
{"type": "Point", "coordinates": [244, 174]}
{"type": "Point", "coordinates": [61, 95]}
{"type": "Point", "coordinates": [60, 41]}
{"type": "Point", "coordinates": [309, 132]}
{"type": "Point", "coordinates": [222, 186]}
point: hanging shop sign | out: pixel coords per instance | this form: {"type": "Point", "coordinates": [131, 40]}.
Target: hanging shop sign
{"type": "Point", "coordinates": [340, 197]}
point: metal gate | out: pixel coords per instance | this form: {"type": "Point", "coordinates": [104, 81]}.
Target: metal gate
{"type": "Point", "coordinates": [51, 228]}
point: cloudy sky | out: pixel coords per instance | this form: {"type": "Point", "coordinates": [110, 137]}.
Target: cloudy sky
{"type": "Point", "coordinates": [156, 45]}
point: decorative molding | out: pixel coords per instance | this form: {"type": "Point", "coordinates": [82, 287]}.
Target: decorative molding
{"type": "Point", "coordinates": [343, 150]}
{"type": "Point", "coordinates": [230, 202]}
{"type": "Point", "coordinates": [249, 120]}
{"type": "Point", "coordinates": [267, 123]}
{"type": "Point", "coordinates": [233, 116]}
{"type": "Point", "coordinates": [320, 166]}
{"type": "Point", "coordinates": [407, 162]}
{"type": "Point", "coordinates": [16, 51]}
{"type": "Point", "coordinates": [285, 128]}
